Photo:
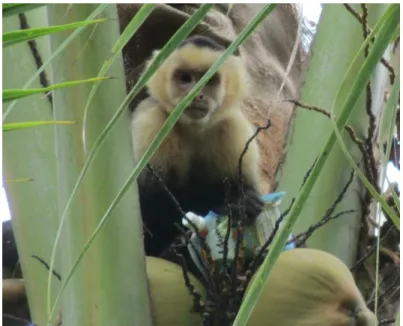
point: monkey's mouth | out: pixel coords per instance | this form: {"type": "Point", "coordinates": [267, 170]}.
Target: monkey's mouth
{"type": "Point", "coordinates": [196, 111]}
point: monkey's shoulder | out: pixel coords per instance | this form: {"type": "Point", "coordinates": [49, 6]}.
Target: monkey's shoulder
{"type": "Point", "coordinates": [146, 121]}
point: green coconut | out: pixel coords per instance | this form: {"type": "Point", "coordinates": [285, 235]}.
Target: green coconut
{"type": "Point", "coordinates": [171, 302]}
{"type": "Point", "coordinates": [309, 287]}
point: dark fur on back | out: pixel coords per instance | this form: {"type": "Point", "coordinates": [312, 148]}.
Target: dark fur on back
{"type": "Point", "coordinates": [162, 213]}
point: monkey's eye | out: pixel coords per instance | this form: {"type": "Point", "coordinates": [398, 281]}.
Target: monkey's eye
{"type": "Point", "coordinates": [184, 77]}
{"type": "Point", "coordinates": [214, 80]}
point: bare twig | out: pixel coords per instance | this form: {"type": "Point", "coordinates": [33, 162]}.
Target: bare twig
{"type": "Point", "coordinates": [240, 161]}
{"type": "Point", "coordinates": [43, 79]}
{"type": "Point", "coordinates": [180, 210]}
{"type": "Point", "coordinates": [304, 236]}
{"type": "Point", "coordinates": [207, 256]}
{"type": "Point", "coordinates": [365, 149]}
{"type": "Point", "coordinates": [199, 306]}
{"type": "Point", "coordinates": [341, 195]}
{"type": "Point", "coordinates": [263, 249]}
{"type": "Point", "coordinates": [238, 247]}
{"type": "Point", "coordinates": [371, 168]}
{"type": "Point", "coordinates": [388, 66]}
{"type": "Point", "coordinates": [348, 128]}
{"type": "Point", "coordinates": [57, 275]}
{"type": "Point", "coordinates": [174, 200]}
{"type": "Point", "coordinates": [24, 321]}
{"type": "Point", "coordinates": [363, 258]}
{"type": "Point", "coordinates": [364, 24]}
{"type": "Point", "coordinates": [240, 176]}
{"type": "Point", "coordinates": [308, 173]}
{"type": "Point", "coordinates": [353, 12]}
{"type": "Point", "coordinates": [369, 252]}
{"type": "Point", "coordinates": [384, 322]}
{"type": "Point", "coordinates": [388, 294]}
{"type": "Point", "coordinates": [229, 225]}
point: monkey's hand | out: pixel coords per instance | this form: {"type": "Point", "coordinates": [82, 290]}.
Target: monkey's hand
{"type": "Point", "coordinates": [250, 206]}
{"type": "Point", "coordinates": [253, 205]}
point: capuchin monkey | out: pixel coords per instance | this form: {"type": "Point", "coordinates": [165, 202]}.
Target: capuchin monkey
{"type": "Point", "coordinates": [199, 158]}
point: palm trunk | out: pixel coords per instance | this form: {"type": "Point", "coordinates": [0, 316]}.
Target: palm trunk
{"type": "Point", "coordinates": [98, 293]}
{"type": "Point", "coordinates": [332, 53]}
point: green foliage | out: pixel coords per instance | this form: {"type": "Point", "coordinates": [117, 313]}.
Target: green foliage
{"type": "Point", "coordinates": [17, 180]}
{"type": "Point", "coordinates": [57, 52]}
{"type": "Point", "coordinates": [184, 31]}
{"type": "Point", "coordinates": [10, 9]}
{"type": "Point", "coordinates": [29, 154]}
{"type": "Point", "coordinates": [386, 133]}
{"type": "Point", "coordinates": [384, 31]}
{"type": "Point", "coordinates": [30, 124]}
{"type": "Point", "coordinates": [14, 37]}
{"type": "Point", "coordinates": [346, 98]}
{"type": "Point", "coordinates": [14, 94]}
{"type": "Point", "coordinates": [125, 37]}
{"type": "Point", "coordinates": [112, 303]}
{"type": "Point", "coordinates": [163, 54]}
{"type": "Point", "coordinates": [387, 27]}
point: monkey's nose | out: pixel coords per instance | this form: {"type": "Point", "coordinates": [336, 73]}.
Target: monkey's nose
{"type": "Point", "coordinates": [199, 97]}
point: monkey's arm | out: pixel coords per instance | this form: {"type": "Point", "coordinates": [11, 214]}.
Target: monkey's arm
{"type": "Point", "coordinates": [157, 210]}
{"type": "Point", "coordinates": [238, 131]}
{"type": "Point", "coordinates": [251, 196]}
{"type": "Point", "coordinates": [147, 120]}
{"type": "Point", "coordinates": [145, 123]}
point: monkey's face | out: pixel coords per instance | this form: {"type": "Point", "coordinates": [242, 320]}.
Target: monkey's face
{"type": "Point", "coordinates": [205, 103]}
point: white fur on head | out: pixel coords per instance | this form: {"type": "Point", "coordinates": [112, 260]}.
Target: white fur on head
{"type": "Point", "coordinates": [190, 56]}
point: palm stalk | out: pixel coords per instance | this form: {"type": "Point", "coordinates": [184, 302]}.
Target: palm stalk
{"type": "Point", "coordinates": [29, 154]}
{"type": "Point", "coordinates": [112, 275]}
{"type": "Point", "coordinates": [345, 99]}
{"type": "Point", "coordinates": [98, 143]}
{"type": "Point", "coordinates": [321, 84]}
